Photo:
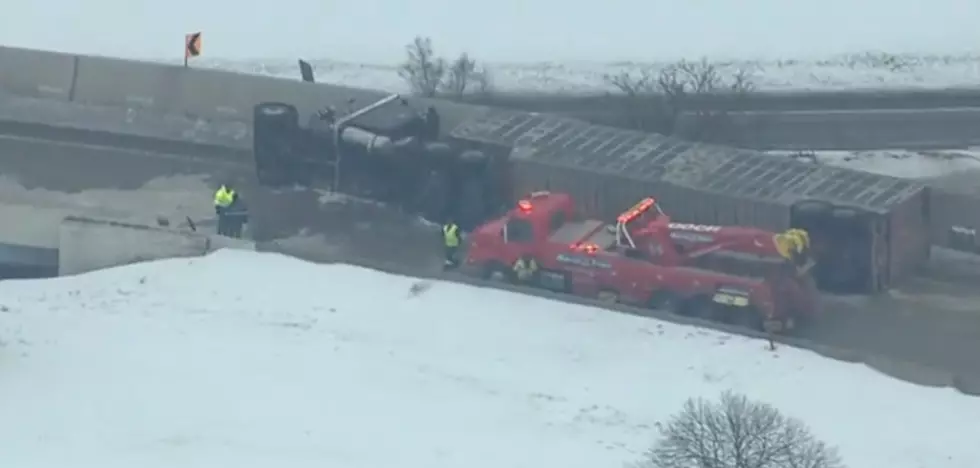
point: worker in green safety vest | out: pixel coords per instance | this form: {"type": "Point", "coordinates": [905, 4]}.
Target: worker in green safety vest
{"type": "Point", "coordinates": [223, 198]}
{"type": "Point", "coordinates": [450, 239]}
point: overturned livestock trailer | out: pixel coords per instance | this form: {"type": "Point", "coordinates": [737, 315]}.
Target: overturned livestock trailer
{"type": "Point", "coordinates": [954, 211]}
{"type": "Point", "coordinates": [867, 230]}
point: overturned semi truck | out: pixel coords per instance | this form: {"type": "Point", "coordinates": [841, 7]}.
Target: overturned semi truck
{"type": "Point", "coordinates": [868, 231]}
{"type": "Point", "coordinates": [388, 152]}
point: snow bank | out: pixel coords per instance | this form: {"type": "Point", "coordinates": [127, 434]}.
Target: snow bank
{"type": "Point", "coordinates": [858, 71]}
{"type": "Point", "coordinates": [900, 163]}
{"type": "Point", "coordinates": [246, 359]}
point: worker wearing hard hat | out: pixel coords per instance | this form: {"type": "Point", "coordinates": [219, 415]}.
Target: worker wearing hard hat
{"type": "Point", "coordinates": [450, 239]}
{"type": "Point", "coordinates": [223, 198]}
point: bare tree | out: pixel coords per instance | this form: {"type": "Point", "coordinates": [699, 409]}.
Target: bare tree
{"type": "Point", "coordinates": [483, 80]}
{"type": "Point", "coordinates": [422, 70]}
{"type": "Point", "coordinates": [428, 74]}
{"type": "Point", "coordinates": [737, 433]}
{"type": "Point", "coordinates": [654, 100]}
{"type": "Point", "coordinates": [461, 72]}
{"type": "Point", "coordinates": [671, 100]}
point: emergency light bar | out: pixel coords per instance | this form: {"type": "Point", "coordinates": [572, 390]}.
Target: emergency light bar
{"type": "Point", "coordinates": [587, 247]}
{"type": "Point", "coordinates": [525, 205]}
{"type": "Point", "coordinates": [637, 210]}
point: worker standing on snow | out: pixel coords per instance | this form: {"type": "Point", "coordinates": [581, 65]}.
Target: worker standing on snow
{"type": "Point", "coordinates": [223, 198]}
{"type": "Point", "coordinates": [450, 238]}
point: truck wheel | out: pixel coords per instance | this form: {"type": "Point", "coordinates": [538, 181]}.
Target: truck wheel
{"type": "Point", "coordinates": [497, 272]}
{"type": "Point", "coordinates": [808, 208]}
{"type": "Point", "coordinates": [276, 113]}
{"type": "Point", "coordinates": [608, 296]}
{"type": "Point", "coordinates": [700, 307]}
{"type": "Point", "coordinates": [846, 214]}
{"type": "Point", "coordinates": [748, 317]}
{"type": "Point", "coordinates": [275, 132]}
{"type": "Point", "coordinates": [667, 301]}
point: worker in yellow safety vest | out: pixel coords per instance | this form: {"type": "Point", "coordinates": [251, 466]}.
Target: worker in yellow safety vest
{"type": "Point", "coordinates": [223, 198]}
{"type": "Point", "coordinates": [450, 239]}
{"type": "Point", "coordinates": [794, 245]}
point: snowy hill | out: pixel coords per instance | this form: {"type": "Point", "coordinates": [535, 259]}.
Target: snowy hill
{"type": "Point", "coordinates": [245, 359]}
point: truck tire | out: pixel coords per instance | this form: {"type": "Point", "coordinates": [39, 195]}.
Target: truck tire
{"type": "Point", "coordinates": [667, 301]}
{"type": "Point", "coordinates": [701, 307]}
{"type": "Point", "coordinates": [498, 272]}
{"type": "Point", "coordinates": [810, 208]}
{"type": "Point", "coordinates": [275, 136]}
{"type": "Point", "coordinates": [608, 296]}
{"type": "Point", "coordinates": [846, 214]}
{"type": "Point", "coordinates": [276, 113]}
{"type": "Point", "coordinates": [748, 317]}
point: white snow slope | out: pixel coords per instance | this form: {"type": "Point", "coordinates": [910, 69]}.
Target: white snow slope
{"type": "Point", "coordinates": [257, 360]}
{"type": "Point", "coordinates": [895, 162]}
{"type": "Point", "coordinates": [532, 46]}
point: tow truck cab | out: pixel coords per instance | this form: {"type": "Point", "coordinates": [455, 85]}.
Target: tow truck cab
{"type": "Point", "coordinates": [637, 260]}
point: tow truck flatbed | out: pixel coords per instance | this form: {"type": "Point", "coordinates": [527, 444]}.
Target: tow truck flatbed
{"type": "Point", "coordinates": [585, 232]}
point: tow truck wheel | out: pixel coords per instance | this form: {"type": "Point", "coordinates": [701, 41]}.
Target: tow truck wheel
{"type": "Point", "coordinates": [667, 301]}
{"type": "Point", "coordinates": [498, 272]}
{"type": "Point", "coordinates": [748, 317]}
{"type": "Point", "coordinates": [701, 307]}
{"type": "Point", "coordinates": [608, 296]}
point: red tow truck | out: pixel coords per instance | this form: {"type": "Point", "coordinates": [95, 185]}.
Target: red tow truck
{"type": "Point", "coordinates": [726, 273]}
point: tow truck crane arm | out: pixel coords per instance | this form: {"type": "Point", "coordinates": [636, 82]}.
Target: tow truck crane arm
{"type": "Point", "coordinates": [623, 237]}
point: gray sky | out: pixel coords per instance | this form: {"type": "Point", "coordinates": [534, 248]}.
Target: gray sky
{"type": "Point", "coordinates": [498, 30]}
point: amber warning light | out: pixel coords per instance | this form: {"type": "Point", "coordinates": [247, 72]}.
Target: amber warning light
{"type": "Point", "coordinates": [637, 210]}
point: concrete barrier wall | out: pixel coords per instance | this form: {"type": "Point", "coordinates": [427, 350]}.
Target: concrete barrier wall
{"type": "Point", "coordinates": [87, 244]}
{"type": "Point", "coordinates": [208, 93]}
{"type": "Point", "coordinates": [36, 73]}
{"type": "Point", "coordinates": [173, 89]}
{"type": "Point", "coordinates": [30, 226]}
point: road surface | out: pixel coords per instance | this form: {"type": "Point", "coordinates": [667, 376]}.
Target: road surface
{"type": "Point", "coordinates": [830, 121]}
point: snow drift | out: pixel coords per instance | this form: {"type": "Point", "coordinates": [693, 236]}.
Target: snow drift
{"type": "Point", "coordinates": [247, 359]}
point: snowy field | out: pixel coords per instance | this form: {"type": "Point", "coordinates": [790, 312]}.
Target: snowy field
{"type": "Point", "coordinates": [544, 45]}
{"type": "Point", "coordinates": [871, 70]}
{"type": "Point", "coordinates": [897, 163]}
{"type": "Point", "coordinates": [245, 359]}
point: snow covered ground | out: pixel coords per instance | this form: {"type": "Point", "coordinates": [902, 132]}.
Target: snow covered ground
{"type": "Point", "coordinates": [245, 359]}
{"type": "Point", "coordinates": [543, 45]}
{"type": "Point", "coordinates": [870, 70]}
{"type": "Point", "coordinates": [896, 163]}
